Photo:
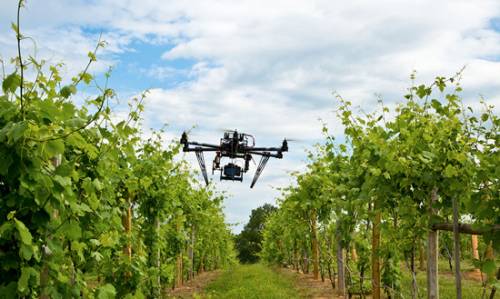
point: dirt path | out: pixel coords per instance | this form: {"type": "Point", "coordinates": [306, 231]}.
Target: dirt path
{"type": "Point", "coordinates": [254, 281]}
{"type": "Point", "coordinates": [309, 287]}
{"type": "Point", "coordinates": [248, 281]}
{"type": "Point", "coordinates": [195, 286]}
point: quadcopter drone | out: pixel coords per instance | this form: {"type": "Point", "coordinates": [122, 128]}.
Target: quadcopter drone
{"type": "Point", "coordinates": [234, 146]}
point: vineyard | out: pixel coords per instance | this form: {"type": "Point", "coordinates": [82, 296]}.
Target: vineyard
{"type": "Point", "coordinates": [376, 205]}
{"type": "Point", "coordinates": [89, 207]}
{"type": "Point", "coordinates": [92, 205]}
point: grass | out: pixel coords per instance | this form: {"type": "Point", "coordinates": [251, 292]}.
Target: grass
{"type": "Point", "coordinates": [470, 289]}
{"type": "Point", "coordinates": [259, 281]}
{"type": "Point", "coordinates": [253, 282]}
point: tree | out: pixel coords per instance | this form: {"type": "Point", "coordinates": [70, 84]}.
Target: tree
{"type": "Point", "coordinates": [249, 241]}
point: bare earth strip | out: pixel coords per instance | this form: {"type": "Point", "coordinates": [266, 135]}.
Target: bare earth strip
{"type": "Point", "coordinates": [308, 287]}
{"type": "Point", "coordinates": [195, 286]}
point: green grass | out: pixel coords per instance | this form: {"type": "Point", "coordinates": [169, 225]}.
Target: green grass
{"type": "Point", "coordinates": [470, 289]}
{"type": "Point", "coordinates": [260, 281]}
{"type": "Point", "coordinates": [252, 282]}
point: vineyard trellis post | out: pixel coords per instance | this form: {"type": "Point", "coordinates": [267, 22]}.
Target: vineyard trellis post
{"type": "Point", "coordinates": [475, 251]}
{"type": "Point", "coordinates": [432, 253]}
{"type": "Point", "coordinates": [340, 263]}
{"type": "Point", "coordinates": [375, 253]}
{"type": "Point", "coordinates": [456, 249]}
{"type": "Point", "coordinates": [315, 249]}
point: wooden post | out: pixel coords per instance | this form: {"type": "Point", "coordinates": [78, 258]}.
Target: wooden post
{"type": "Point", "coordinates": [178, 264]}
{"type": "Point", "coordinates": [127, 226]}
{"type": "Point", "coordinates": [375, 254]}
{"type": "Point", "coordinates": [340, 267]}
{"type": "Point", "coordinates": [158, 255]}
{"type": "Point", "coordinates": [354, 253]}
{"type": "Point", "coordinates": [456, 249]}
{"type": "Point", "coordinates": [432, 254]}
{"type": "Point", "coordinates": [201, 268]}
{"type": "Point", "coordinates": [475, 251]}
{"type": "Point", "coordinates": [489, 255]}
{"type": "Point", "coordinates": [305, 258]}
{"type": "Point", "coordinates": [44, 273]}
{"type": "Point", "coordinates": [191, 254]}
{"type": "Point", "coordinates": [315, 249]}
{"type": "Point", "coordinates": [421, 256]}
{"type": "Point", "coordinates": [296, 257]}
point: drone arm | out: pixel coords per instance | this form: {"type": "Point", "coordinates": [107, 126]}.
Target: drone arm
{"type": "Point", "coordinates": [267, 149]}
{"type": "Point", "coordinates": [202, 144]}
{"type": "Point", "coordinates": [278, 155]}
{"type": "Point", "coordinates": [262, 164]}
{"type": "Point", "coordinates": [199, 149]}
{"type": "Point", "coordinates": [201, 161]}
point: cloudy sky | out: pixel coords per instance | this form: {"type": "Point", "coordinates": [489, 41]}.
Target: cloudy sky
{"type": "Point", "coordinates": [268, 68]}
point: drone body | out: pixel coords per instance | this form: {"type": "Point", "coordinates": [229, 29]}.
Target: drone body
{"type": "Point", "coordinates": [234, 146]}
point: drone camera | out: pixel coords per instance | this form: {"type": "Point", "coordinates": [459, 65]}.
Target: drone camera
{"type": "Point", "coordinates": [232, 172]}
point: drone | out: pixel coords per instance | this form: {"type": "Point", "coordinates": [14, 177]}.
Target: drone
{"type": "Point", "coordinates": [233, 145]}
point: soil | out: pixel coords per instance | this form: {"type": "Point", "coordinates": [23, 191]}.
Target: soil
{"type": "Point", "coordinates": [308, 287]}
{"type": "Point", "coordinates": [467, 275]}
{"type": "Point", "coordinates": [194, 286]}
{"type": "Point", "coordinates": [473, 275]}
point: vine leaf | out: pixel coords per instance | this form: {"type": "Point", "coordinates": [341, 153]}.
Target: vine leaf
{"type": "Point", "coordinates": [24, 233]}
{"type": "Point", "coordinates": [11, 83]}
{"type": "Point", "coordinates": [54, 147]}
{"type": "Point", "coordinates": [72, 230]}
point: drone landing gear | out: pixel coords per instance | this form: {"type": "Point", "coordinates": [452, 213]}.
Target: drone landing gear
{"type": "Point", "coordinates": [262, 164]}
{"type": "Point", "coordinates": [201, 161]}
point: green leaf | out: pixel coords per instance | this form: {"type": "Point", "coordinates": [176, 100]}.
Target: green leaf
{"type": "Point", "coordinates": [14, 27]}
{"type": "Point", "coordinates": [11, 83]}
{"type": "Point", "coordinates": [72, 230]}
{"type": "Point", "coordinates": [106, 291]}
{"type": "Point", "coordinates": [97, 184]}
{"type": "Point", "coordinates": [450, 171]}
{"type": "Point", "coordinates": [108, 239]}
{"type": "Point", "coordinates": [67, 91]}
{"type": "Point", "coordinates": [87, 78]}
{"type": "Point", "coordinates": [26, 252]}
{"type": "Point", "coordinates": [63, 181]}
{"type": "Point", "coordinates": [24, 233]}
{"type": "Point", "coordinates": [5, 162]}
{"type": "Point", "coordinates": [54, 147]}
{"type": "Point", "coordinates": [484, 117]}
{"type": "Point", "coordinates": [422, 91]}
{"type": "Point", "coordinates": [17, 130]}
{"type": "Point", "coordinates": [5, 230]}
{"type": "Point", "coordinates": [92, 57]}
{"type": "Point", "coordinates": [489, 267]}
{"type": "Point", "coordinates": [23, 282]}
{"type": "Point", "coordinates": [8, 291]}
{"type": "Point", "coordinates": [436, 105]}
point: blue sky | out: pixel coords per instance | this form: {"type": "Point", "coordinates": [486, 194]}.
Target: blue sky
{"type": "Point", "coordinates": [268, 68]}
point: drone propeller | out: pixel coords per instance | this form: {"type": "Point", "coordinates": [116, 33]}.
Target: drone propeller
{"type": "Point", "coordinates": [295, 140]}
{"type": "Point", "coordinates": [225, 130]}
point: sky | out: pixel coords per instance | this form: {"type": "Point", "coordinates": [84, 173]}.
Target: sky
{"type": "Point", "coordinates": [267, 68]}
